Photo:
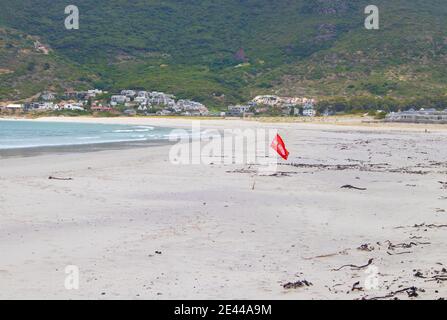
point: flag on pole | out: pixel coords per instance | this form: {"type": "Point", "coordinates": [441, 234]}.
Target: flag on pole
{"type": "Point", "coordinates": [279, 146]}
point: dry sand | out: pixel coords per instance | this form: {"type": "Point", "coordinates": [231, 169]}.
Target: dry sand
{"type": "Point", "coordinates": [218, 238]}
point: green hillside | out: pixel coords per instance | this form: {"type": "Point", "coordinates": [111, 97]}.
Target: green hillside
{"type": "Point", "coordinates": [26, 70]}
{"type": "Point", "coordinates": [226, 51]}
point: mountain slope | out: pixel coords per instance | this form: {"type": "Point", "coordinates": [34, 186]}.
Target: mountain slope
{"type": "Point", "coordinates": [226, 51]}
{"type": "Point", "coordinates": [27, 67]}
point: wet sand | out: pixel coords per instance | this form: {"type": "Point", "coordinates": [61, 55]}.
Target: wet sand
{"type": "Point", "coordinates": [80, 148]}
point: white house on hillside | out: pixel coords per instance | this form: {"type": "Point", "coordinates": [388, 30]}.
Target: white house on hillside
{"type": "Point", "coordinates": [238, 110]}
{"type": "Point", "coordinates": [13, 107]}
{"type": "Point", "coordinates": [119, 99]}
{"type": "Point", "coordinates": [267, 100]}
{"type": "Point", "coordinates": [309, 111]}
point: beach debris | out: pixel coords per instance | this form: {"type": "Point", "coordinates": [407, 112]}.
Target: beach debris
{"type": "Point", "coordinates": [412, 292]}
{"type": "Point", "coordinates": [356, 287]}
{"type": "Point", "coordinates": [366, 247]}
{"type": "Point", "coordinates": [344, 252]}
{"type": "Point", "coordinates": [61, 179]}
{"type": "Point", "coordinates": [392, 246]}
{"type": "Point", "coordinates": [424, 225]}
{"type": "Point", "coordinates": [364, 167]}
{"type": "Point", "coordinates": [354, 267]}
{"type": "Point", "coordinates": [419, 275]}
{"type": "Point", "coordinates": [430, 226]}
{"type": "Point", "coordinates": [281, 174]}
{"type": "Point", "coordinates": [158, 252]}
{"type": "Point", "coordinates": [409, 171]}
{"type": "Point", "coordinates": [298, 284]}
{"type": "Point", "coordinates": [278, 174]}
{"type": "Point", "coordinates": [242, 171]}
{"type": "Point", "coordinates": [439, 276]}
{"type": "Point", "coordinates": [322, 166]}
{"type": "Point", "coordinates": [398, 253]}
{"type": "Point", "coordinates": [348, 186]}
{"type": "Point", "coordinates": [444, 184]}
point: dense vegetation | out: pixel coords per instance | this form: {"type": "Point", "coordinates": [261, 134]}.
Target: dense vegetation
{"type": "Point", "coordinates": [226, 51]}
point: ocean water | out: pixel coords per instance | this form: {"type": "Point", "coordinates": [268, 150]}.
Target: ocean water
{"type": "Point", "coordinates": [28, 134]}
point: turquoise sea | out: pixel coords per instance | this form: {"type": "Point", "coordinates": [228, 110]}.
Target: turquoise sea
{"type": "Point", "coordinates": [29, 134]}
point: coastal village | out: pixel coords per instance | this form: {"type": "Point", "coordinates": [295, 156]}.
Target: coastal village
{"type": "Point", "coordinates": [153, 103]}
{"type": "Point", "coordinates": [419, 116]}
{"type": "Point", "coordinates": [147, 103]}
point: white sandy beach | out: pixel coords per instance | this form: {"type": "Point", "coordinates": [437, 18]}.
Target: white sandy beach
{"type": "Point", "coordinates": [216, 236]}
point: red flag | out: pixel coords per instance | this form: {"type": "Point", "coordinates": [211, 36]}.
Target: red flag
{"type": "Point", "coordinates": [279, 146]}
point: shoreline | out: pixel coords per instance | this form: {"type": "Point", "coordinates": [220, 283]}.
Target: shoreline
{"type": "Point", "coordinates": [302, 129]}
{"type": "Point", "coordinates": [330, 123]}
{"type": "Point", "coordinates": [205, 124]}
{"type": "Point", "coordinates": [73, 145]}
{"type": "Point", "coordinates": [179, 123]}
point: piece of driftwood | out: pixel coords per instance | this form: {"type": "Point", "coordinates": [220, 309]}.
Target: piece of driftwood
{"type": "Point", "coordinates": [438, 278]}
{"type": "Point", "coordinates": [398, 253]}
{"type": "Point", "coordinates": [352, 266]}
{"type": "Point", "coordinates": [348, 186]}
{"type": "Point", "coordinates": [329, 255]}
{"type": "Point", "coordinates": [61, 179]}
{"type": "Point", "coordinates": [411, 291]}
